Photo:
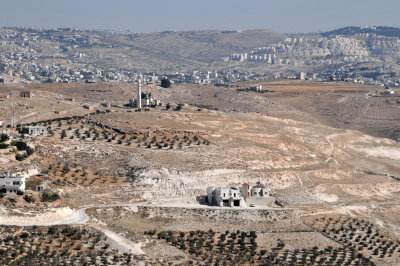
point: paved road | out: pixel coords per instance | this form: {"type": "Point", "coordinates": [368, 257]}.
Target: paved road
{"type": "Point", "coordinates": [80, 216]}
{"type": "Point", "coordinates": [32, 115]}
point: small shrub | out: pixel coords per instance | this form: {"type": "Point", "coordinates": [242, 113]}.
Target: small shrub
{"type": "Point", "coordinates": [29, 198]}
{"type": "Point", "coordinates": [4, 138]}
{"type": "Point", "coordinates": [21, 146]}
{"type": "Point", "coordinates": [29, 151]}
{"type": "Point", "coordinates": [52, 230]}
{"type": "Point", "coordinates": [49, 195]}
{"type": "Point", "coordinates": [4, 146]}
{"type": "Point", "coordinates": [63, 134]}
{"type": "Point", "coordinates": [21, 157]}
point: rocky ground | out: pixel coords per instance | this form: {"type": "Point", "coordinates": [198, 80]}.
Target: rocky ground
{"type": "Point", "coordinates": [220, 137]}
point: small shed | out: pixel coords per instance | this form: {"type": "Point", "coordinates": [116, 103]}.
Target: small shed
{"type": "Point", "coordinates": [41, 186]}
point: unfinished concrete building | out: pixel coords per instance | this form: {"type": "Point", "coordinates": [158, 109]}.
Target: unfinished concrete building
{"type": "Point", "coordinates": [35, 131]}
{"type": "Point", "coordinates": [225, 197]}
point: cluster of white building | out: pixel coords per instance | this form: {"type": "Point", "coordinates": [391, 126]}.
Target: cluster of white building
{"type": "Point", "coordinates": [236, 197]}
{"type": "Point", "coordinates": [307, 51]}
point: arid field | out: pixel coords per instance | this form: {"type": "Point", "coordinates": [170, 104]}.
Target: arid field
{"type": "Point", "coordinates": [326, 151]}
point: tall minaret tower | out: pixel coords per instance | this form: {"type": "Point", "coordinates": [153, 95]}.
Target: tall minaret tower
{"type": "Point", "coordinates": [139, 97]}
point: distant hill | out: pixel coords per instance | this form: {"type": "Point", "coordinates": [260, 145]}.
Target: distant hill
{"type": "Point", "coordinates": [204, 46]}
{"type": "Point", "coordinates": [378, 30]}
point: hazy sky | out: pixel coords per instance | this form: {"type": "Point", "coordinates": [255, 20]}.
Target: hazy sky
{"type": "Point", "coordinates": [160, 15]}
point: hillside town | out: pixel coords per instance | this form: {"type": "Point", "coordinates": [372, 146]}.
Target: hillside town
{"type": "Point", "coordinates": [29, 55]}
{"type": "Point", "coordinates": [344, 58]}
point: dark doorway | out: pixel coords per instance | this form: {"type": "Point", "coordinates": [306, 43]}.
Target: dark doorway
{"type": "Point", "coordinates": [236, 203]}
{"type": "Point", "coordinates": [225, 203]}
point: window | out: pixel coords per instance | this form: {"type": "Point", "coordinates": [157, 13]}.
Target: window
{"type": "Point", "coordinates": [16, 183]}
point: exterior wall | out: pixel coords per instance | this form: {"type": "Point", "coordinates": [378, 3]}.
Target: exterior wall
{"type": "Point", "coordinates": [222, 193]}
{"type": "Point", "coordinates": [240, 201]}
{"type": "Point", "coordinates": [245, 191]}
{"type": "Point", "coordinates": [146, 102]}
{"type": "Point", "coordinates": [210, 195]}
{"type": "Point", "coordinates": [42, 186]}
{"type": "Point", "coordinates": [132, 103]}
{"type": "Point", "coordinates": [259, 192]}
{"type": "Point", "coordinates": [37, 131]}
{"type": "Point", "coordinates": [150, 102]}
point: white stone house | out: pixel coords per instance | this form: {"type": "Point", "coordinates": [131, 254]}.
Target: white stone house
{"type": "Point", "coordinates": [11, 184]}
{"type": "Point", "coordinates": [259, 190]}
{"type": "Point", "coordinates": [228, 197]}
